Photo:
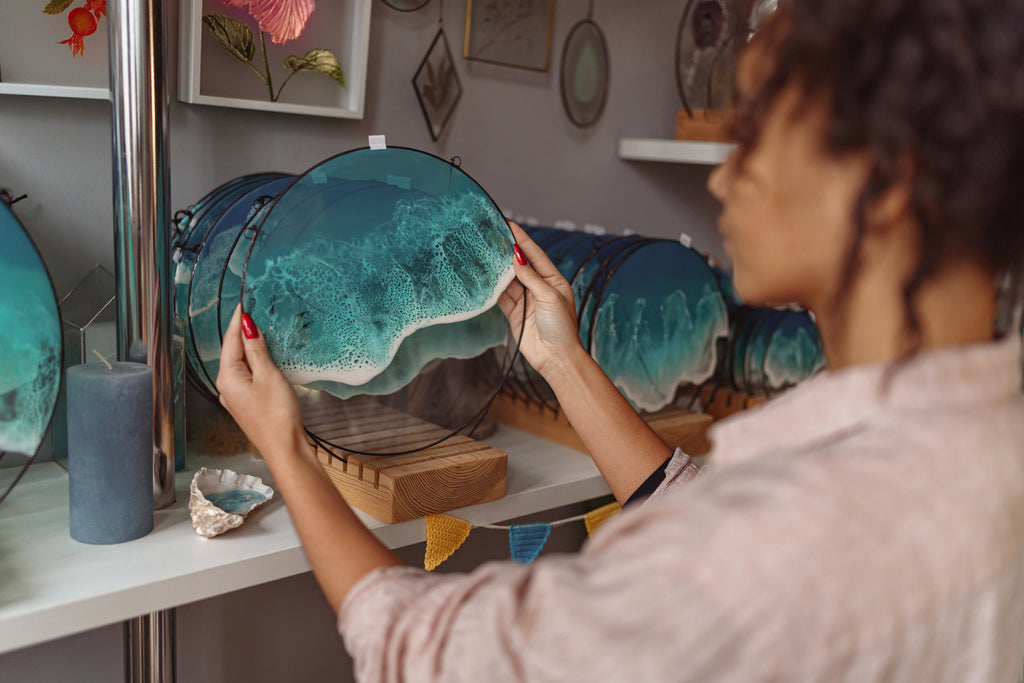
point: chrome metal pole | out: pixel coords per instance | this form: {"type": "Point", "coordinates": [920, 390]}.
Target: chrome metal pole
{"type": "Point", "coordinates": [149, 651]}
{"type": "Point", "coordinates": [141, 220]}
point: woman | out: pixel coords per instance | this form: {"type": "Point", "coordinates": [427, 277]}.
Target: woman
{"type": "Point", "coordinates": [867, 525]}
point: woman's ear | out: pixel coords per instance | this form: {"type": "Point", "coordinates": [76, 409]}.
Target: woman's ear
{"type": "Point", "coordinates": [892, 209]}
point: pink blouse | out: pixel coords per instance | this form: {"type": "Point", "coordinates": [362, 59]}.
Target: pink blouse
{"type": "Point", "coordinates": [853, 529]}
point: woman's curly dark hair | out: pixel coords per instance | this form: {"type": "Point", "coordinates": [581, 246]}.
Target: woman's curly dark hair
{"type": "Point", "coordinates": [933, 85]}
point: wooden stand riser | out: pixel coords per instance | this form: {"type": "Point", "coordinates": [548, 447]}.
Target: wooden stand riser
{"type": "Point", "coordinates": [436, 477]}
{"type": "Point", "coordinates": [678, 428]}
{"type": "Point", "coordinates": [723, 403]}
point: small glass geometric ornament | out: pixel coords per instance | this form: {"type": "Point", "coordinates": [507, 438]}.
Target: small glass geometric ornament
{"type": "Point", "coordinates": [88, 319]}
{"type": "Point", "coordinates": [31, 345]}
{"type": "Point", "coordinates": [437, 84]}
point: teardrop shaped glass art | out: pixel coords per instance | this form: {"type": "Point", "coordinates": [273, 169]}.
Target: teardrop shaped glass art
{"type": "Point", "coordinates": [585, 73]}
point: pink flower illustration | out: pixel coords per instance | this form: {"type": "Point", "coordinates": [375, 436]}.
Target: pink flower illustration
{"type": "Point", "coordinates": [284, 20]}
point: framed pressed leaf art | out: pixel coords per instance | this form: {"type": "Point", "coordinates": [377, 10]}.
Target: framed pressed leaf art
{"type": "Point", "coordinates": [437, 85]}
{"type": "Point", "coordinates": [247, 54]}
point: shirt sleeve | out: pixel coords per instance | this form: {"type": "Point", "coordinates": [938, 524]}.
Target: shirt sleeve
{"type": "Point", "coordinates": [677, 469]}
{"type": "Point", "coordinates": [563, 617]}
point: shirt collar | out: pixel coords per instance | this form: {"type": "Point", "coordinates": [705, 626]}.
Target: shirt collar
{"type": "Point", "coordinates": [833, 403]}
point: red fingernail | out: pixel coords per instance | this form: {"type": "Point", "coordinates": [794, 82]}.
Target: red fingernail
{"type": "Point", "coordinates": [249, 327]}
{"type": "Point", "coordinates": [519, 254]}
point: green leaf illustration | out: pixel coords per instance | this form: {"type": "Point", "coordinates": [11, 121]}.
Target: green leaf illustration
{"type": "Point", "coordinates": [233, 34]}
{"type": "Point", "coordinates": [321, 61]}
{"type": "Point", "coordinates": [57, 6]}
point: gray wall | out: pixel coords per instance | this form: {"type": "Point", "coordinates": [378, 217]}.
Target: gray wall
{"type": "Point", "coordinates": [509, 129]}
{"type": "Point", "coordinates": [514, 139]}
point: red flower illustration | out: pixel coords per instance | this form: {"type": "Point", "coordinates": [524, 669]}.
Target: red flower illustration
{"type": "Point", "coordinates": [82, 23]}
{"type": "Point", "coordinates": [284, 20]}
{"type": "Point", "coordinates": [97, 7]}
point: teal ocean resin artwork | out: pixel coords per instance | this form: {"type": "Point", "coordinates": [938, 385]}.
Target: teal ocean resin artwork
{"type": "Point", "coordinates": [210, 232]}
{"type": "Point", "coordinates": [30, 341]}
{"type": "Point", "coordinates": [364, 251]}
{"type": "Point", "coordinates": [771, 350]}
{"type": "Point", "coordinates": [657, 333]}
{"type": "Point", "coordinates": [363, 273]}
{"type": "Point", "coordinates": [793, 352]}
{"type": "Point", "coordinates": [650, 311]}
{"type": "Point", "coordinates": [464, 339]}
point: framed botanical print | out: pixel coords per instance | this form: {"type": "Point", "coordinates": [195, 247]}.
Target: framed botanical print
{"type": "Point", "coordinates": [511, 32]}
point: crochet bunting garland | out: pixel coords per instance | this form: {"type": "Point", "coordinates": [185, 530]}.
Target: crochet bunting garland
{"type": "Point", "coordinates": [446, 533]}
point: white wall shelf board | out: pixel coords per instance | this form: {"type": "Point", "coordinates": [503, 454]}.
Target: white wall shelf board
{"type": "Point", "coordinates": [52, 586]}
{"type": "Point", "coordinates": [674, 151]}
{"type": "Point", "coordinates": [54, 91]}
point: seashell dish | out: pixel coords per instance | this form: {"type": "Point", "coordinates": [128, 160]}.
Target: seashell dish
{"type": "Point", "coordinates": [220, 500]}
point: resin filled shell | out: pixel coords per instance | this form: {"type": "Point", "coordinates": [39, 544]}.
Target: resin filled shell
{"type": "Point", "coordinates": [219, 500]}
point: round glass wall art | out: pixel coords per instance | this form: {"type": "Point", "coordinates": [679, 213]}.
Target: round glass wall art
{"type": "Point", "coordinates": [585, 74]}
{"type": "Point", "coordinates": [406, 5]}
{"type": "Point", "coordinates": [200, 260]}
{"type": "Point", "coordinates": [650, 312]}
{"type": "Point", "coordinates": [772, 350]}
{"type": "Point", "coordinates": [374, 274]}
{"type": "Point", "coordinates": [363, 251]}
{"type": "Point", "coordinates": [30, 343]}
{"type": "Point", "coordinates": [711, 36]}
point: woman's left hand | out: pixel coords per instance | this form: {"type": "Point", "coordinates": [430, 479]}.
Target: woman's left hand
{"type": "Point", "coordinates": [256, 393]}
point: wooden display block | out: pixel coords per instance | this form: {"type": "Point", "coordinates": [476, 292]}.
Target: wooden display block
{"type": "Point", "coordinates": [706, 125]}
{"type": "Point", "coordinates": [457, 472]}
{"type": "Point", "coordinates": [721, 403]}
{"type": "Point", "coordinates": [677, 427]}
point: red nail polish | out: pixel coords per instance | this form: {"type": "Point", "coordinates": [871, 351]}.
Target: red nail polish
{"type": "Point", "coordinates": [249, 327]}
{"type": "Point", "coordinates": [519, 254]}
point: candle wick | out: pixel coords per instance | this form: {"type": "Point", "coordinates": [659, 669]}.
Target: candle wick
{"type": "Point", "coordinates": [105, 361]}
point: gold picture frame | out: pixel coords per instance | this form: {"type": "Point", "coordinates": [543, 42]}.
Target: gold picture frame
{"type": "Point", "coordinates": [510, 33]}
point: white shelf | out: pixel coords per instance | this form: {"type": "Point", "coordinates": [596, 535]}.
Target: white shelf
{"type": "Point", "coordinates": [674, 151]}
{"type": "Point", "coordinates": [52, 586]}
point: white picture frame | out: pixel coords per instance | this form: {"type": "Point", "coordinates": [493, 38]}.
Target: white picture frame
{"type": "Point", "coordinates": [209, 75]}
{"type": "Point", "coordinates": [33, 62]}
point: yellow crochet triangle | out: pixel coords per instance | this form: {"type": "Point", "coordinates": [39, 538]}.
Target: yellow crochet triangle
{"type": "Point", "coordinates": [444, 536]}
{"type": "Point", "coordinates": [596, 518]}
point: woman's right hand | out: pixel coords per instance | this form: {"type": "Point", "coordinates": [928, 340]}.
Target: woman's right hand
{"type": "Point", "coordinates": [550, 333]}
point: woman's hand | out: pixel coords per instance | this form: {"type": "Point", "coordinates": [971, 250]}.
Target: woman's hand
{"type": "Point", "coordinates": [255, 392]}
{"type": "Point", "coordinates": [550, 333]}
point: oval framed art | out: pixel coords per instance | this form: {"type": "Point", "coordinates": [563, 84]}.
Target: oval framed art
{"type": "Point", "coordinates": [585, 73]}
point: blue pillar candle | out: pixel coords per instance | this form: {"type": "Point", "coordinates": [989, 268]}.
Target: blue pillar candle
{"type": "Point", "coordinates": [110, 451]}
